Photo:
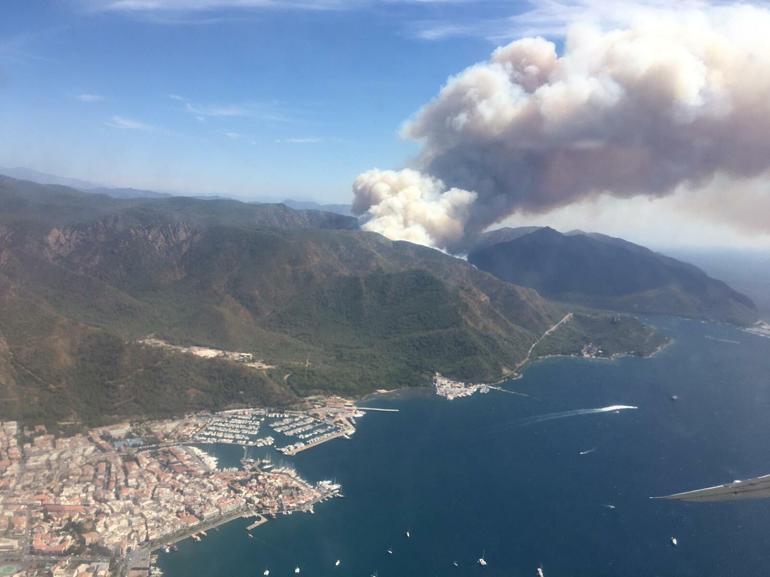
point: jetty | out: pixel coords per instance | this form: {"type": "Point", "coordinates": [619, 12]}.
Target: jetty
{"type": "Point", "coordinates": [260, 520]}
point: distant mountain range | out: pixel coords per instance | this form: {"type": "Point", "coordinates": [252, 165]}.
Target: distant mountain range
{"type": "Point", "coordinates": [331, 308]}
{"type": "Point", "coordinates": [84, 185]}
{"type": "Point", "coordinates": [600, 271]}
{"type": "Point", "coordinates": [38, 177]}
{"type": "Point", "coordinates": [312, 205]}
{"type": "Point", "coordinates": [746, 270]}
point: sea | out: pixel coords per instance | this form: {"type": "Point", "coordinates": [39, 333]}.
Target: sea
{"type": "Point", "coordinates": [539, 481]}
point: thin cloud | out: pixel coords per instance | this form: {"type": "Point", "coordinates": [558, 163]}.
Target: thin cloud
{"type": "Point", "coordinates": [254, 111]}
{"type": "Point", "coordinates": [300, 140]}
{"type": "Point", "coordinates": [432, 30]}
{"type": "Point", "coordinates": [218, 111]}
{"type": "Point", "coordinates": [90, 98]}
{"type": "Point", "coordinates": [130, 124]}
{"type": "Point", "coordinates": [16, 48]}
{"type": "Point", "coordinates": [552, 18]}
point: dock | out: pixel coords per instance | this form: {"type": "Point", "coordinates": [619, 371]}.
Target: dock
{"type": "Point", "coordinates": [260, 520]}
{"type": "Point", "coordinates": [295, 448]}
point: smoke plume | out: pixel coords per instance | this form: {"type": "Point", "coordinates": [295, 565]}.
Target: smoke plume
{"type": "Point", "coordinates": [407, 205]}
{"type": "Point", "coordinates": [643, 110]}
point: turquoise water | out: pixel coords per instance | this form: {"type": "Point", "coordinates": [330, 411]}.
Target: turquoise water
{"type": "Point", "coordinates": [482, 476]}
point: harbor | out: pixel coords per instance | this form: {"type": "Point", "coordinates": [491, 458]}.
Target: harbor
{"type": "Point", "coordinates": [468, 481]}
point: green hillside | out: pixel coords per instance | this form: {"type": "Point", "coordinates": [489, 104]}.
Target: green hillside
{"type": "Point", "coordinates": [603, 272]}
{"type": "Point", "coordinates": [328, 307]}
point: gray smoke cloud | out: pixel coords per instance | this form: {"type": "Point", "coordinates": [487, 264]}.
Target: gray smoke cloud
{"type": "Point", "coordinates": [665, 103]}
{"type": "Point", "coordinates": [408, 205]}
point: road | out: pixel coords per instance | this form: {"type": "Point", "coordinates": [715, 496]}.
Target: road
{"type": "Point", "coordinates": [526, 359]}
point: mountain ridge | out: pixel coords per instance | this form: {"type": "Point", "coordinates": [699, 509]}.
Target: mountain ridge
{"type": "Point", "coordinates": [85, 278]}
{"type": "Point", "coordinates": [606, 272]}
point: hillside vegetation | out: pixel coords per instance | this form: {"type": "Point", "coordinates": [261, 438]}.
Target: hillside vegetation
{"type": "Point", "coordinates": [331, 308]}
{"type": "Point", "coordinates": [608, 273]}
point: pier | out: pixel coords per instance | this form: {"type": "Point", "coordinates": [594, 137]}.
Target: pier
{"type": "Point", "coordinates": [295, 448]}
{"type": "Point", "coordinates": [260, 520]}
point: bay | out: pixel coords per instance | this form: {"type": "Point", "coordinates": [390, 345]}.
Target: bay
{"type": "Point", "coordinates": [485, 476]}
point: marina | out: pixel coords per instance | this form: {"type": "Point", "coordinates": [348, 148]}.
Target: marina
{"type": "Point", "coordinates": [241, 427]}
{"type": "Point", "coordinates": [465, 490]}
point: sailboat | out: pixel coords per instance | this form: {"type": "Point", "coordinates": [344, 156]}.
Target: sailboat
{"type": "Point", "coordinates": [337, 563]}
{"type": "Point", "coordinates": [408, 535]}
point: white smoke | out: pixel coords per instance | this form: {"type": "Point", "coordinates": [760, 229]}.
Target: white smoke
{"type": "Point", "coordinates": [668, 102]}
{"type": "Point", "coordinates": [407, 205]}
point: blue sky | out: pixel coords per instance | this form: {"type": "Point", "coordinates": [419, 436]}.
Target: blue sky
{"type": "Point", "coordinates": [265, 99]}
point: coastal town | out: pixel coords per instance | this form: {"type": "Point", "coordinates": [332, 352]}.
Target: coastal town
{"type": "Point", "coordinates": [450, 389]}
{"type": "Point", "coordinates": [99, 502]}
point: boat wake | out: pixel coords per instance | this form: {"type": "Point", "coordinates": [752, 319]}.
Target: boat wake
{"type": "Point", "coordinates": [575, 413]}
{"type": "Point", "coordinates": [726, 341]}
